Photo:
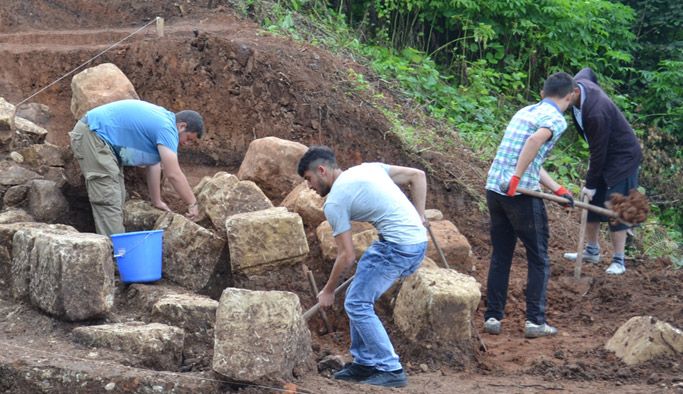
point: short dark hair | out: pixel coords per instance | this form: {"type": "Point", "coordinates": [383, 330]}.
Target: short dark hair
{"type": "Point", "coordinates": [559, 84]}
{"type": "Point", "coordinates": [315, 156]}
{"type": "Point", "coordinates": [194, 122]}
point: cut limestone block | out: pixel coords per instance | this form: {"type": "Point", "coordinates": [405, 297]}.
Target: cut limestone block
{"type": "Point", "coordinates": [454, 246]}
{"type": "Point", "coordinates": [271, 163]}
{"type": "Point", "coordinates": [67, 274]}
{"type": "Point", "coordinates": [139, 215]}
{"type": "Point", "coordinates": [46, 203]}
{"type": "Point", "coordinates": [193, 313]}
{"type": "Point", "coordinates": [97, 86]}
{"type": "Point", "coordinates": [159, 346]}
{"type": "Point", "coordinates": [643, 338]}
{"type": "Point", "coordinates": [259, 334]}
{"type": "Point", "coordinates": [362, 234]}
{"type": "Point", "coordinates": [307, 203]}
{"type": "Point", "coordinates": [261, 240]}
{"type": "Point", "coordinates": [191, 253]}
{"type": "Point", "coordinates": [437, 304]}
{"type": "Point", "coordinates": [223, 195]}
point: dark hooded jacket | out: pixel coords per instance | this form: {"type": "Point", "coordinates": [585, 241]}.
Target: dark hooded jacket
{"type": "Point", "coordinates": [614, 148]}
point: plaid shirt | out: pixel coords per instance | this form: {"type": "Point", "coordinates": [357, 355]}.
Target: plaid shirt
{"type": "Point", "coordinates": [525, 123]}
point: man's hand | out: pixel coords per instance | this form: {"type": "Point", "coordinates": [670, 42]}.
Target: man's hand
{"type": "Point", "coordinates": [192, 212]}
{"type": "Point", "coordinates": [562, 192]}
{"type": "Point", "coordinates": [161, 205]}
{"type": "Point", "coordinates": [587, 192]}
{"type": "Point", "coordinates": [512, 186]}
{"type": "Point", "coordinates": [326, 298]}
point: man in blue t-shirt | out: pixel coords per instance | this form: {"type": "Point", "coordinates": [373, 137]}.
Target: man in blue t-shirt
{"type": "Point", "coordinates": [369, 193]}
{"type": "Point", "coordinates": [132, 133]}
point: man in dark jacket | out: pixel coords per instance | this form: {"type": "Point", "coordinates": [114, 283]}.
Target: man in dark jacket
{"type": "Point", "coordinates": [615, 155]}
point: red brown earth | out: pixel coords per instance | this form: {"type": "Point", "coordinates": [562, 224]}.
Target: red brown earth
{"type": "Point", "coordinates": [250, 84]}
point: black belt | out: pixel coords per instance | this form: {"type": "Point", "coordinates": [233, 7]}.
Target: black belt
{"type": "Point", "coordinates": [381, 238]}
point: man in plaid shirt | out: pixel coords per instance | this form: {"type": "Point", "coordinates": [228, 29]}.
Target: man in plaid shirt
{"type": "Point", "coordinates": [529, 136]}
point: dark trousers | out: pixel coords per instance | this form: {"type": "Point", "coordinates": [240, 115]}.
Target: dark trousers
{"type": "Point", "coordinates": [522, 217]}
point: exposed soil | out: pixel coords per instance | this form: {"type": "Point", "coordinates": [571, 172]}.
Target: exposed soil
{"type": "Point", "coordinates": [250, 84]}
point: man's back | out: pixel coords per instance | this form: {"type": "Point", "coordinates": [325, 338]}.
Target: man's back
{"type": "Point", "coordinates": [366, 193]}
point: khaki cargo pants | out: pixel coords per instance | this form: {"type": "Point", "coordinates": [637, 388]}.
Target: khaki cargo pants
{"type": "Point", "coordinates": [103, 179]}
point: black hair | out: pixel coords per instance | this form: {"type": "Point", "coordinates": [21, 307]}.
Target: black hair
{"type": "Point", "coordinates": [315, 156]}
{"type": "Point", "coordinates": [194, 122]}
{"type": "Point", "coordinates": [559, 84]}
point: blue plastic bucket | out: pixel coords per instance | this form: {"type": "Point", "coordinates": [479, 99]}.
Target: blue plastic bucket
{"type": "Point", "coordinates": [138, 255]}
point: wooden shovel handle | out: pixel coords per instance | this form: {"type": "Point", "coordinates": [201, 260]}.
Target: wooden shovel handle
{"type": "Point", "coordinates": [311, 312]}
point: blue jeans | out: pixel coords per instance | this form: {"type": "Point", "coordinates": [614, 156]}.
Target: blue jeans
{"type": "Point", "coordinates": [522, 217]}
{"type": "Point", "coordinates": [381, 265]}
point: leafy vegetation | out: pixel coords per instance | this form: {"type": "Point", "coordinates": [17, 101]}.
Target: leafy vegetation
{"type": "Point", "coordinates": [472, 64]}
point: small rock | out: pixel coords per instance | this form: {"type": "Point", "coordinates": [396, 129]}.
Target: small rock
{"type": "Point", "coordinates": [331, 363]}
{"type": "Point", "coordinates": [559, 354]}
{"type": "Point", "coordinates": [110, 386]}
{"type": "Point", "coordinates": [424, 367]}
{"type": "Point", "coordinates": [653, 379]}
{"type": "Point", "coordinates": [16, 156]}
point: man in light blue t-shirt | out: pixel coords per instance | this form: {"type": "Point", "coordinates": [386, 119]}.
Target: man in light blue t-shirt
{"type": "Point", "coordinates": [369, 193]}
{"type": "Point", "coordinates": [132, 133]}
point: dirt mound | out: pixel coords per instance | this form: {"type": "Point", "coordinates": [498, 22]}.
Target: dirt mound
{"type": "Point", "coordinates": [250, 84]}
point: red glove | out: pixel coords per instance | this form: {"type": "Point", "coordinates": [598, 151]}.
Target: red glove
{"type": "Point", "coordinates": [512, 186]}
{"type": "Point", "coordinates": [562, 192]}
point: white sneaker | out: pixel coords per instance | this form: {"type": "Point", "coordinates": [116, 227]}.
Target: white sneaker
{"type": "Point", "coordinates": [591, 258]}
{"type": "Point", "coordinates": [492, 326]}
{"type": "Point", "coordinates": [616, 269]}
{"type": "Point", "coordinates": [532, 330]}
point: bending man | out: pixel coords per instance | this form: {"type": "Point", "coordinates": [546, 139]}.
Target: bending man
{"type": "Point", "coordinates": [369, 193]}
{"type": "Point", "coordinates": [132, 133]}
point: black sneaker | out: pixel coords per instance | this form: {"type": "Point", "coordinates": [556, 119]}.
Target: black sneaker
{"type": "Point", "coordinates": [387, 378]}
{"type": "Point", "coordinates": [354, 372]}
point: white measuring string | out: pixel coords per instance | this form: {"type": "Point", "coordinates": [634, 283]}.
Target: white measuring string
{"type": "Point", "coordinates": [173, 374]}
{"type": "Point", "coordinates": [88, 61]}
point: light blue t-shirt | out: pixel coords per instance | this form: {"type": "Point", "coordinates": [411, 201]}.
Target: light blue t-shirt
{"type": "Point", "coordinates": [366, 193]}
{"type": "Point", "coordinates": [133, 129]}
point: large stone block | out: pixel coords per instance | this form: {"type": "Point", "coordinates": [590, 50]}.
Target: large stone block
{"type": "Point", "coordinates": [362, 234]}
{"type": "Point", "coordinates": [46, 202]}
{"type": "Point", "coordinates": [265, 239]}
{"type": "Point", "coordinates": [139, 215]}
{"type": "Point", "coordinates": [191, 253]}
{"type": "Point", "coordinates": [223, 195]}
{"type": "Point", "coordinates": [17, 276]}
{"type": "Point", "coordinates": [259, 334]}
{"type": "Point", "coordinates": [437, 304]}
{"type": "Point", "coordinates": [643, 338]}
{"type": "Point", "coordinates": [271, 162]}
{"type": "Point", "coordinates": [454, 246]}
{"type": "Point", "coordinates": [97, 86]}
{"type": "Point", "coordinates": [69, 275]}
{"type": "Point", "coordinates": [307, 203]}
{"type": "Point", "coordinates": [157, 345]}
{"type": "Point", "coordinates": [39, 155]}
{"type": "Point", "coordinates": [194, 313]}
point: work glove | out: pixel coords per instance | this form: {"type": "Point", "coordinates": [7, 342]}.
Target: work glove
{"type": "Point", "coordinates": [512, 186]}
{"type": "Point", "coordinates": [587, 192]}
{"type": "Point", "coordinates": [562, 192]}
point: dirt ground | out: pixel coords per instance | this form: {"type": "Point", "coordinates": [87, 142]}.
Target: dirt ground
{"type": "Point", "coordinates": [250, 84]}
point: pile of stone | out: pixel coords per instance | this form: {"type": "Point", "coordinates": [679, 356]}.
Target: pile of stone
{"type": "Point", "coordinates": [253, 335]}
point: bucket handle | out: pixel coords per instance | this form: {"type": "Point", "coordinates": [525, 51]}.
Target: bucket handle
{"type": "Point", "coordinates": [133, 248]}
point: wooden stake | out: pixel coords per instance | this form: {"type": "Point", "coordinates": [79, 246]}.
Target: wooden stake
{"type": "Point", "coordinates": [582, 235]}
{"type": "Point", "coordinates": [323, 315]}
{"type": "Point", "coordinates": [160, 27]}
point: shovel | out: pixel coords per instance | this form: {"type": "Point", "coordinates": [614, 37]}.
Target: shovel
{"type": "Point", "coordinates": [314, 309]}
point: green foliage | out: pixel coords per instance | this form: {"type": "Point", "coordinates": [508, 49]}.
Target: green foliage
{"type": "Point", "coordinates": [662, 101]}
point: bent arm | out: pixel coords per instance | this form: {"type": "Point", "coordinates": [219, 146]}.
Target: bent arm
{"type": "Point", "coordinates": [346, 256]}
{"type": "Point", "coordinates": [416, 181]}
{"type": "Point", "coordinates": [530, 149]}
{"type": "Point", "coordinates": [175, 175]}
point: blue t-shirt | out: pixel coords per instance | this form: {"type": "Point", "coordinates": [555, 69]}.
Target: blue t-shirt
{"type": "Point", "coordinates": [366, 193]}
{"type": "Point", "coordinates": [133, 129]}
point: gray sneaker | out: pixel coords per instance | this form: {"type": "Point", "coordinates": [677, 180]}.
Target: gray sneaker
{"type": "Point", "coordinates": [591, 258]}
{"type": "Point", "coordinates": [532, 330]}
{"type": "Point", "coordinates": [492, 326]}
